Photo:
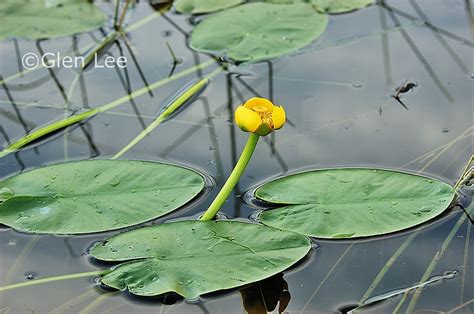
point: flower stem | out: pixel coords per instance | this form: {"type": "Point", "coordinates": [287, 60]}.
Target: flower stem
{"type": "Point", "coordinates": [233, 178]}
{"type": "Point", "coordinates": [52, 279]}
{"type": "Point", "coordinates": [118, 26]}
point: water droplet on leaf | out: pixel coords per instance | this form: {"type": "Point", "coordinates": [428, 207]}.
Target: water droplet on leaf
{"type": "Point", "coordinates": [5, 193]}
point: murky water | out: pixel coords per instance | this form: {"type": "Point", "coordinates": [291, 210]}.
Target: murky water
{"type": "Point", "coordinates": [337, 97]}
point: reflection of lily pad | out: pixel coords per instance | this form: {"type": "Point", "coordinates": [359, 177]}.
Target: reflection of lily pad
{"type": "Point", "coordinates": [347, 203]}
{"type": "Point", "coordinates": [259, 31]}
{"type": "Point", "coordinates": [204, 6]}
{"type": "Point", "coordinates": [196, 257]}
{"type": "Point", "coordinates": [340, 6]}
{"type": "Point", "coordinates": [37, 19]}
{"type": "Point", "coordinates": [95, 195]}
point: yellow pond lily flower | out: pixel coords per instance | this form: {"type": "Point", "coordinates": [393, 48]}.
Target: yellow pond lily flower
{"type": "Point", "coordinates": [260, 116]}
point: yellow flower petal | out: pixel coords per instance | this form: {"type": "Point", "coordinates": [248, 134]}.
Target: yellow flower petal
{"type": "Point", "coordinates": [259, 103]}
{"type": "Point", "coordinates": [279, 117]}
{"type": "Point", "coordinates": [246, 119]}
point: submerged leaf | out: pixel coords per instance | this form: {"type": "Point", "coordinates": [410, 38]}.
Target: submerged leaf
{"type": "Point", "coordinates": [204, 6]}
{"type": "Point", "coordinates": [47, 130]}
{"type": "Point", "coordinates": [340, 6]}
{"type": "Point", "coordinates": [259, 31]}
{"type": "Point", "coordinates": [38, 19]}
{"type": "Point", "coordinates": [192, 258]}
{"type": "Point", "coordinates": [176, 104]}
{"type": "Point", "coordinates": [352, 202]}
{"type": "Point", "coordinates": [95, 195]}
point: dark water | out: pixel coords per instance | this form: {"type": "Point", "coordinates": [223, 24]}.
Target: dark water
{"type": "Point", "coordinates": [337, 96]}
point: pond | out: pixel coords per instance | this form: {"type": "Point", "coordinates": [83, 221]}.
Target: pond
{"type": "Point", "coordinates": [338, 96]}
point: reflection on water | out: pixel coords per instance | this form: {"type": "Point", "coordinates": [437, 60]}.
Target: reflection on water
{"type": "Point", "coordinates": [338, 98]}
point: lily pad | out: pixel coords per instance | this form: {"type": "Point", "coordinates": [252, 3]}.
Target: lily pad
{"type": "Point", "coordinates": [37, 19]}
{"type": "Point", "coordinates": [352, 202]}
{"type": "Point", "coordinates": [204, 6]}
{"type": "Point", "coordinates": [340, 6]}
{"type": "Point", "coordinates": [95, 195]}
{"type": "Point", "coordinates": [259, 31]}
{"type": "Point", "coordinates": [192, 258]}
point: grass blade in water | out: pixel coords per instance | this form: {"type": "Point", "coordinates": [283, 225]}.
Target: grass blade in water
{"type": "Point", "coordinates": [183, 97]}
{"type": "Point", "coordinates": [100, 49]}
{"type": "Point", "coordinates": [80, 117]}
{"type": "Point", "coordinates": [25, 140]}
{"type": "Point", "coordinates": [176, 104]}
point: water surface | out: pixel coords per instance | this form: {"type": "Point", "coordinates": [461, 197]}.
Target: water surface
{"type": "Point", "coordinates": [337, 97]}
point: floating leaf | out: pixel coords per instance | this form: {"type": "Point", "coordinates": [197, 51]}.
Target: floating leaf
{"type": "Point", "coordinates": [259, 31]}
{"type": "Point", "coordinates": [352, 202]}
{"type": "Point", "coordinates": [95, 195]}
{"type": "Point", "coordinates": [204, 6]}
{"type": "Point", "coordinates": [38, 19]}
{"type": "Point", "coordinates": [196, 257]}
{"type": "Point", "coordinates": [340, 6]}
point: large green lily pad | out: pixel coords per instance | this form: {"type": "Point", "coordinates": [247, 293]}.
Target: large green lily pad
{"type": "Point", "coordinates": [192, 258]}
{"type": "Point", "coordinates": [204, 6]}
{"type": "Point", "coordinates": [340, 6]}
{"type": "Point", "coordinates": [36, 19]}
{"type": "Point", "coordinates": [352, 202]}
{"type": "Point", "coordinates": [95, 195]}
{"type": "Point", "coordinates": [259, 31]}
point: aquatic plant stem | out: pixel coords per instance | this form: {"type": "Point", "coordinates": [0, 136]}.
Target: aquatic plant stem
{"type": "Point", "coordinates": [434, 262]}
{"type": "Point", "coordinates": [20, 260]}
{"type": "Point", "coordinates": [116, 11]}
{"type": "Point", "coordinates": [465, 260]}
{"type": "Point", "coordinates": [233, 178]}
{"type": "Point", "coordinates": [87, 114]}
{"type": "Point", "coordinates": [375, 283]}
{"type": "Point", "coordinates": [53, 279]}
{"type": "Point", "coordinates": [118, 26]}
{"type": "Point", "coordinates": [106, 42]}
{"type": "Point", "coordinates": [90, 308]}
{"type": "Point", "coordinates": [175, 105]}
{"type": "Point", "coordinates": [78, 299]}
{"type": "Point", "coordinates": [129, 28]}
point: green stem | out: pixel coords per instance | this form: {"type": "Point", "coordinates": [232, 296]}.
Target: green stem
{"type": "Point", "coordinates": [46, 130]}
{"type": "Point", "coordinates": [106, 41]}
{"type": "Point", "coordinates": [90, 308]}
{"type": "Point", "coordinates": [63, 308]}
{"type": "Point", "coordinates": [91, 112]}
{"type": "Point", "coordinates": [116, 12]}
{"type": "Point", "coordinates": [233, 178]}
{"type": "Point", "coordinates": [434, 262]}
{"type": "Point", "coordinates": [52, 279]}
{"type": "Point", "coordinates": [21, 258]}
{"type": "Point", "coordinates": [130, 28]}
{"type": "Point", "coordinates": [118, 26]}
{"type": "Point", "coordinates": [175, 105]}
{"type": "Point", "coordinates": [175, 59]}
{"type": "Point", "coordinates": [375, 283]}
